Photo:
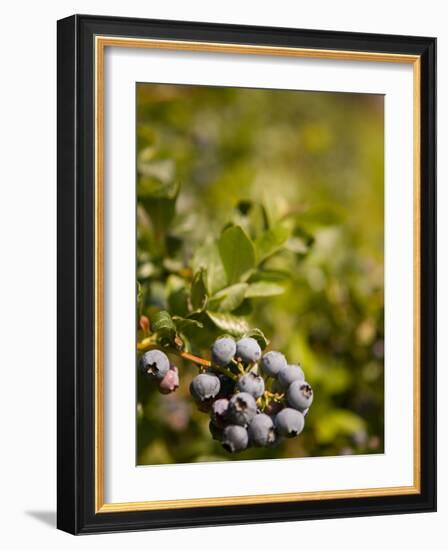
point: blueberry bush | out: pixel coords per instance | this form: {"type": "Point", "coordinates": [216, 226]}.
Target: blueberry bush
{"type": "Point", "coordinates": [259, 274]}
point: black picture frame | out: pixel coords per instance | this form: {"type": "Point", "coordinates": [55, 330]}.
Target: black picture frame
{"type": "Point", "coordinates": [76, 254]}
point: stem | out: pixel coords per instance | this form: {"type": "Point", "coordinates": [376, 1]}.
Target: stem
{"type": "Point", "coordinates": [194, 359]}
{"type": "Point", "coordinates": [274, 396]}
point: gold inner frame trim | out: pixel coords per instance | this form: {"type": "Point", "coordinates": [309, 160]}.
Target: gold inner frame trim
{"type": "Point", "coordinates": [101, 42]}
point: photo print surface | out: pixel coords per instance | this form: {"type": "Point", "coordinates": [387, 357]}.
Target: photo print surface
{"type": "Point", "coordinates": [260, 274]}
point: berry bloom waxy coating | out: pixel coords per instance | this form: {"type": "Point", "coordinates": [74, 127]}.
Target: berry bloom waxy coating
{"type": "Point", "coordinates": [288, 375]}
{"type": "Point", "coordinates": [242, 408]}
{"type": "Point", "coordinates": [204, 387]}
{"type": "Point", "coordinates": [248, 350]}
{"type": "Point", "coordinates": [170, 382]}
{"type": "Point", "coordinates": [289, 422]}
{"type": "Point", "coordinates": [223, 351]}
{"type": "Point", "coordinates": [272, 363]}
{"type": "Point", "coordinates": [299, 395]}
{"type": "Point", "coordinates": [155, 363]}
{"type": "Point", "coordinates": [251, 383]}
{"type": "Point", "coordinates": [261, 431]}
{"type": "Point", "coordinates": [235, 438]}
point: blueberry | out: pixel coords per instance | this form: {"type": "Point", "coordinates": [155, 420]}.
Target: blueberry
{"type": "Point", "coordinates": [251, 383]}
{"type": "Point", "coordinates": [242, 408]}
{"type": "Point", "coordinates": [261, 431]}
{"type": "Point", "coordinates": [235, 438]}
{"type": "Point", "coordinates": [288, 375]}
{"type": "Point", "coordinates": [272, 363]}
{"type": "Point", "coordinates": [289, 422]}
{"type": "Point", "coordinates": [248, 350]}
{"type": "Point", "coordinates": [155, 363]}
{"type": "Point", "coordinates": [227, 385]}
{"type": "Point", "coordinates": [223, 351]}
{"type": "Point", "coordinates": [204, 387]}
{"type": "Point", "coordinates": [216, 431]}
{"type": "Point", "coordinates": [219, 411]}
{"type": "Point", "coordinates": [170, 382]}
{"type": "Point", "coordinates": [299, 395]}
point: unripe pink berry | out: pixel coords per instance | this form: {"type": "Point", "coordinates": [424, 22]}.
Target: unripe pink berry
{"type": "Point", "coordinates": [144, 324]}
{"type": "Point", "coordinates": [170, 382]}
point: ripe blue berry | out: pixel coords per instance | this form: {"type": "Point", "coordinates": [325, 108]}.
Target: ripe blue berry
{"type": "Point", "coordinates": [235, 438]}
{"type": "Point", "coordinates": [272, 363]}
{"type": "Point", "coordinates": [289, 422]}
{"type": "Point", "coordinates": [242, 408]}
{"type": "Point", "coordinates": [248, 350]}
{"type": "Point", "coordinates": [288, 375]}
{"type": "Point", "coordinates": [299, 395]}
{"type": "Point", "coordinates": [155, 363]}
{"type": "Point", "coordinates": [204, 387]}
{"type": "Point", "coordinates": [219, 411]}
{"type": "Point", "coordinates": [251, 383]}
{"type": "Point", "coordinates": [170, 382]}
{"type": "Point", "coordinates": [227, 385]}
{"type": "Point", "coordinates": [215, 430]}
{"type": "Point", "coordinates": [223, 351]}
{"type": "Point", "coordinates": [261, 431]}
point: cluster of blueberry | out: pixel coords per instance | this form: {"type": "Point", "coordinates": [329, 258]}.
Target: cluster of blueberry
{"type": "Point", "coordinates": [252, 399]}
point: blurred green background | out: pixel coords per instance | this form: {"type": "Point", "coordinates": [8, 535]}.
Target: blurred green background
{"type": "Point", "coordinates": [210, 156]}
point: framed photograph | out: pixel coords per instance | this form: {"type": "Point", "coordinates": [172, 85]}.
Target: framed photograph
{"type": "Point", "coordinates": [246, 274]}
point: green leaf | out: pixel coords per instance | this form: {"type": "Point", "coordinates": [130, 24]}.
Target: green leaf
{"type": "Point", "coordinates": [236, 326]}
{"type": "Point", "coordinates": [237, 253]}
{"type": "Point", "coordinates": [163, 325]}
{"type": "Point", "coordinates": [177, 295]}
{"type": "Point", "coordinates": [162, 169]}
{"type": "Point", "coordinates": [263, 289]}
{"type": "Point", "coordinates": [153, 188]}
{"type": "Point", "coordinates": [182, 323]}
{"type": "Point", "coordinates": [207, 257]}
{"type": "Point", "coordinates": [228, 298]}
{"type": "Point", "coordinates": [251, 216]}
{"type": "Point", "coordinates": [258, 335]}
{"type": "Point", "coordinates": [198, 293]}
{"type": "Point", "coordinates": [271, 241]}
{"type": "Point", "coordinates": [178, 301]}
{"type": "Point", "coordinates": [161, 213]}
